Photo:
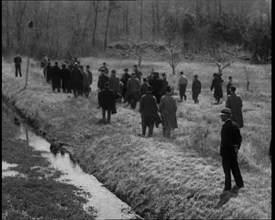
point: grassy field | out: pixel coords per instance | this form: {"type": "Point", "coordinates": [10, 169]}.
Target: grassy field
{"type": "Point", "coordinates": [34, 193]}
{"type": "Point", "coordinates": [159, 178]}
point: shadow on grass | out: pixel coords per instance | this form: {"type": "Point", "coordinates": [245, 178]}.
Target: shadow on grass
{"type": "Point", "coordinates": [225, 197]}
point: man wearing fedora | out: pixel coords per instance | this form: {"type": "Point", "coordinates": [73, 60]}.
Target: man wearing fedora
{"type": "Point", "coordinates": [149, 109]}
{"type": "Point", "coordinates": [124, 80]}
{"type": "Point", "coordinates": [230, 144]}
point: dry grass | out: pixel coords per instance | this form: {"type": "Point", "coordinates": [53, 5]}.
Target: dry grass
{"type": "Point", "coordinates": [160, 178]}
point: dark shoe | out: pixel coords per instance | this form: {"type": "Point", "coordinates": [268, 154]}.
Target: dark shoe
{"type": "Point", "coordinates": [237, 187]}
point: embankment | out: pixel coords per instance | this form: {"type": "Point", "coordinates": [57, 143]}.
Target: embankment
{"type": "Point", "coordinates": [158, 178]}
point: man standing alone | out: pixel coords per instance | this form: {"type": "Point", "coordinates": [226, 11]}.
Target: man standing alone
{"type": "Point", "coordinates": [182, 84]}
{"type": "Point", "coordinates": [17, 61]}
{"type": "Point", "coordinates": [196, 89]}
{"type": "Point", "coordinates": [230, 144]}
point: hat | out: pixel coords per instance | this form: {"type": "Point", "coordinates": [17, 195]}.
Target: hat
{"type": "Point", "coordinates": [168, 89]}
{"type": "Point", "coordinates": [126, 69]}
{"type": "Point", "coordinates": [113, 71]}
{"type": "Point", "coordinates": [135, 65]}
{"type": "Point", "coordinates": [226, 111]}
{"type": "Point", "coordinates": [87, 66]}
{"type": "Point", "coordinates": [196, 76]}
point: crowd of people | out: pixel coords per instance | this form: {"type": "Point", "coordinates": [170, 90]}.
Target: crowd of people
{"type": "Point", "coordinates": [157, 106]}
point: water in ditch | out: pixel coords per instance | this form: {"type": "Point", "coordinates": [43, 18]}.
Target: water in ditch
{"type": "Point", "coordinates": [107, 205]}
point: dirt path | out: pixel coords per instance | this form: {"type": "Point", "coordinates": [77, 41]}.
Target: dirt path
{"type": "Point", "coordinates": [159, 178]}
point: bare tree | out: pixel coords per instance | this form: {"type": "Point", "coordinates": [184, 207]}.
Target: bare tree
{"type": "Point", "coordinates": [87, 20]}
{"type": "Point", "coordinates": [221, 67]}
{"type": "Point", "coordinates": [141, 21]}
{"type": "Point", "coordinates": [174, 55]}
{"type": "Point", "coordinates": [20, 8]}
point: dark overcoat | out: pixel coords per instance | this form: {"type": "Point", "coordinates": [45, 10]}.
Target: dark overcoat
{"type": "Point", "coordinates": [168, 109]}
{"type": "Point", "coordinates": [148, 106]}
{"type": "Point", "coordinates": [102, 79]}
{"type": "Point", "coordinates": [107, 99]}
{"type": "Point", "coordinates": [56, 77]}
{"type": "Point", "coordinates": [65, 78]}
{"type": "Point", "coordinates": [234, 102]}
{"type": "Point", "coordinates": [196, 87]}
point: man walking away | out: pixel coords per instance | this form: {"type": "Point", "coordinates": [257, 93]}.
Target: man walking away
{"type": "Point", "coordinates": [49, 72]}
{"type": "Point", "coordinates": [229, 85]}
{"type": "Point", "coordinates": [196, 89]}
{"type": "Point", "coordinates": [230, 144]}
{"type": "Point", "coordinates": [56, 77]}
{"type": "Point", "coordinates": [168, 109]}
{"type": "Point", "coordinates": [77, 80]}
{"type": "Point", "coordinates": [86, 82]}
{"type": "Point", "coordinates": [164, 84]}
{"type": "Point", "coordinates": [149, 109]}
{"type": "Point", "coordinates": [43, 64]}
{"type": "Point", "coordinates": [90, 75]}
{"type": "Point", "coordinates": [182, 84]}
{"type": "Point", "coordinates": [65, 78]}
{"type": "Point", "coordinates": [124, 80]}
{"type": "Point", "coordinates": [217, 86]}
{"type": "Point", "coordinates": [17, 61]}
{"type": "Point", "coordinates": [107, 101]}
{"type": "Point", "coordinates": [103, 68]}
{"type": "Point", "coordinates": [234, 102]}
{"type": "Point", "coordinates": [137, 73]}
{"type": "Point", "coordinates": [102, 79]}
{"type": "Point", "coordinates": [144, 87]}
{"type": "Point", "coordinates": [133, 86]}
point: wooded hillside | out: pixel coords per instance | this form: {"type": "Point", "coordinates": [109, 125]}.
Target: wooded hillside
{"type": "Point", "coordinates": [86, 28]}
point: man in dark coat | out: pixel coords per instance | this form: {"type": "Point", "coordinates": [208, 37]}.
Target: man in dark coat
{"type": "Point", "coordinates": [49, 72]}
{"type": "Point", "coordinates": [102, 79]}
{"type": "Point", "coordinates": [107, 101]}
{"type": "Point", "coordinates": [230, 144]}
{"type": "Point", "coordinates": [182, 84]}
{"type": "Point", "coordinates": [65, 78]}
{"type": "Point", "coordinates": [196, 89]}
{"type": "Point", "coordinates": [235, 103]}
{"type": "Point", "coordinates": [133, 86]}
{"type": "Point", "coordinates": [229, 85]}
{"type": "Point", "coordinates": [164, 84]}
{"type": "Point", "coordinates": [17, 61]}
{"type": "Point", "coordinates": [149, 109]}
{"type": "Point", "coordinates": [144, 87]}
{"type": "Point", "coordinates": [217, 86]}
{"type": "Point", "coordinates": [103, 68]}
{"type": "Point", "coordinates": [124, 80]}
{"type": "Point", "coordinates": [56, 77]}
{"type": "Point", "coordinates": [156, 84]}
{"type": "Point", "coordinates": [137, 73]}
{"type": "Point", "coordinates": [90, 75]}
{"type": "Point", "coordinates": [77, 81]}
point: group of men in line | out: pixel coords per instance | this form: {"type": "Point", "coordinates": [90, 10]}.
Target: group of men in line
{"type": "Point", "coordinates": [71, 77]}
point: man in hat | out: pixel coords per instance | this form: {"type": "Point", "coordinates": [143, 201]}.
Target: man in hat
{"type": "Point", "coordinates": [235, 103]}
{"type": "Point", "coordinates": [137, 73]}
{"type": "Point", "coordinates": [77, 80]}
{"type": "Point", "coordinates": [124, 80]}
{"type": "Point", "coordinates": [217, 86]}
{"type": "Point", "coordinates": [229, 85]}
{"type": "Point", "coordinates": [230, 144]}
{"type": "Point", "coordinates": [49, 72]}
{"type": "Point", "coordinates": [133, 86]}
{"type": "Point", "coordinates": [144, 87]}
{"type": "Point", "coordinates": [56, 77]}
{"type": "Point", "coordinates": [196, 89]}
{"type": "Point", "coordinates": [65, 78]}
{"type": "Point", "coordinates": [17, 61]}
{"type": "Point", "coordinates": [103, 68]}
{"type": "Point", "coordinates": [90, 75]}
{"type": "Point", "coordinates": [168, 109]}
{"type": "Point", "coordinates": [102, 79]}
{"type": "Point", "coordinates": [149, 109]}
{"type": "Point", "coordinates": [107, 101]}
{"type": "Point", "coordinates": [182, 84]}
{"type": "Point", "coordinates": [156, 84]}
{"type": "Point", "coordinates": [164, 84]}
{"type": "Point", "coordinates": [115, 84]}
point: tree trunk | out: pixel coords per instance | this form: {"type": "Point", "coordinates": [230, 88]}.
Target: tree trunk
{"type": "Point", "coordinates": [127, 19]}
{"type": "Point", "coordinates": [95, 21]}
{"type": "Point", "coordinates": [86, 21]}
{"type": "Point", "coordinates": [153, 22]}
{"type": "Point", "coordinates": [141, 20]}
{"type": "Point", "coordinates": [107, 26]}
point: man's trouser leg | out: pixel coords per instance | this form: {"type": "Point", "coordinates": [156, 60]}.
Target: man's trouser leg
{"type": "Point", "coordinates": [19, 68]}
{"type": "Point", "coordinates": [181, 92]}
{"type": "Point", "coordinates": [236, 172]}
{"type": "Point", "coordinates": [143, 125]}
{"type": "Point", "coordinates": [16, 70]}
{"type": "Point", "coordinates": [226, 163]}
{"type": "Point", "coordinates": [109, 112]}
{"type": "Point", "coordinates": [104, 115]}
{"type": "Point", "coordinates": [150, 125]}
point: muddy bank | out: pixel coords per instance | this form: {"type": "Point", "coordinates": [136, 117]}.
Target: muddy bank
{"type": "Point", "coordinates": [157, 178]}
